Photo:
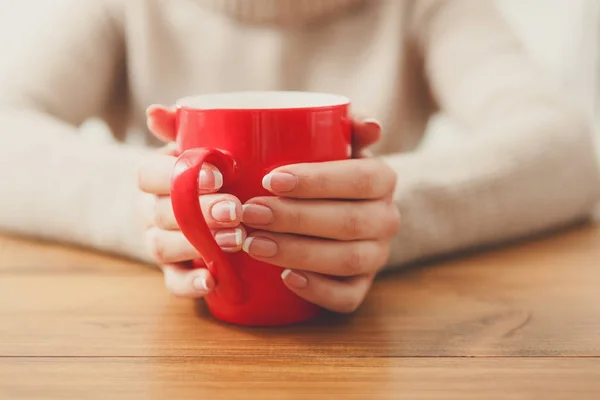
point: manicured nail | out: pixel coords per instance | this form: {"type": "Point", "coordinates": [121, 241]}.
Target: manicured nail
{"type": "Point", "coordinates": [372, 122]}
{"type": "Point", "coordinates": [224, 211]}
{"type": "Point", "coordinates": [260, 247]}
{"type": "Point", "coordinates": [294, 279]}
{"type": "Point", "coordinates": [210, 179]}
{"type": "Point", "coordinates": [229, 237]}
{"type": "Point", "coordinates": [280, 182]}
{"type": "Point", "coordinates": [200, 284]}
{"type": "Point", "coordinates": [152, 108]}
{"type": "Point", "coordinates": [256, 214]}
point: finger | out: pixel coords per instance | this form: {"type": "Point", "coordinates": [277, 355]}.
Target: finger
{"type": "Point", "coordinates": [365, 153]}
{"type": "Point", "coordinates": [187, 282]}
{"type": "Point", "coordinates": [365, 133]}
{"type": "Point", "coordinates": [220, 211]}
{"type": "Point", "coordinates": [343, 296]}
{"type": "Point", "coordinates": [346, 220]}
{"type": "Point", "coordinates": [170, 149]}
{"type": "Point", "coordinates": [346, 179]}
{"type": "Point", "coordinates": [168, 247]}
{"type": "Point", "coordinates": [230, 239]}
{"type": "Point", "coordinates": [154, 176]}
{"type": "Point", "coordinates": [330, 257]}
{"type": "Point", "coordinates": [161, 122]}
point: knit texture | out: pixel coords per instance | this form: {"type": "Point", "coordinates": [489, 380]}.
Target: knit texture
{"type": "Point", "coordinates": [524, 164]}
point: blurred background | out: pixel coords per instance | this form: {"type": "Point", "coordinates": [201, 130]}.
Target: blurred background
{"type": "Point", "coordinates": [563, 35]}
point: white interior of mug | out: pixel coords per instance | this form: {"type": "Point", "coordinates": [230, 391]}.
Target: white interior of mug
{"type": "Point", "coordinates": [263, 100]}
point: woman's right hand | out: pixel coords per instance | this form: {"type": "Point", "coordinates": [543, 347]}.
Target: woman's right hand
{"type": "Point", "coordinates": [169, 248]}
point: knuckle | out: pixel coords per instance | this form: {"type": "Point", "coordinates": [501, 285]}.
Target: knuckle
{"type": "Point", "coordinates": [392, 175]}
{"type": "Point", "coordinates": [145, 172]}
{"type": "Point", "coordinates": [157, 248]}
{"type": "Point", "coordinates": [385, 256]}
{"type": "Point", "coordinates": [348, 305]}
{"type": "Point", "coordinates": [364, 181]}
{"type": "Point", "coordinates": [353, 224]}
{"type": "Point", "coordinates": [295, 218]}
{"type": "Point", "coordinates": [140, 175]}
{"type": "Point", "coordinates": [382, 257]}
{"type": "Point", "coordinates": [394, 221]}
{"type": "Point", "coordinates": [386, 171]}
{"type": "Point", "coordinates": [353, 262]}
{"type": "Point", "coordinates": [170, 285]}
{"type": "Point", "coordinates": [159, 217]}
{"type": "Point", "coordinates": [145, 210]}
{"type": "Point", "coordinates": [392, 178]}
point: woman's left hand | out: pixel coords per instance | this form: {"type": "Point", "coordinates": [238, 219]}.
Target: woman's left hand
{"type": "Point", "coordinates": [329, 224]}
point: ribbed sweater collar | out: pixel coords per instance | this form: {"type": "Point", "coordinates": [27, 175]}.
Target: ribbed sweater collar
{"type": "Point", "coordinates": [284, 12]}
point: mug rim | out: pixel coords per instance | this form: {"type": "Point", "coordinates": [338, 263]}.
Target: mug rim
{"type": "Point", "coordinates": [262, 100]}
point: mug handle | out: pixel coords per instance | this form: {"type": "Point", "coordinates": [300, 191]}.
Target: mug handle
{"type": "Point", "coordinates": [188, 213]}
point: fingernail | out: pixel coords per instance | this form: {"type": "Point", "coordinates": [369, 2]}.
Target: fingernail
{"type": "Point", "coordinates": [224, 211]}
{"type": "Point", "coordinates": [229, 237]}
{"type": "Point", "coordinates": [279, 182]}
{"type": "Point", "coordinates": [256, 214]}
{"type": "Point", "coordinates": [294, 279]}
{"type": "Point", "coordinates": [151, 109]}
{"type": "Point", "coordinates": [210, 179]}
{"type": "Point", "coordinates": [372, 122]}
{"type": "Point", "coordinates": [260, 247]}
{"type": "Point", "coordinates": [200, 284]}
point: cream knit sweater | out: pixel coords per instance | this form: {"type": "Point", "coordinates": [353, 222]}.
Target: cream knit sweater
{"type": "Point", "coordinates": [525, 163]}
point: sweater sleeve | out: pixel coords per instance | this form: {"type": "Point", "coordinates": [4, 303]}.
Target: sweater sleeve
{"type": "Point", "coordinates": [55, 183]}
{"type": "Point", "coordinates": [526, 163]}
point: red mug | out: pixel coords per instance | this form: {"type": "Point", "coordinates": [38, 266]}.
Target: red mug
{"type": "Point", "coordinates": [246, 135]}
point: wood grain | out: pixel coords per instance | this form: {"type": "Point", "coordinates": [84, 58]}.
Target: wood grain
{"type": "Point", "coordinates": [535, 299]}
{"type": "Point", "coordinates": [514, 322]}
{"type": "Point", "coordinates": [300, 378]}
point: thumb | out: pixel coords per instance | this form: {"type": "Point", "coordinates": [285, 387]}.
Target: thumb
{"type": "Point", "coordinates": [161, 122]}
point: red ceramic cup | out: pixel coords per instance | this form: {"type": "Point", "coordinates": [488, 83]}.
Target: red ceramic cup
{"type": "Point", "coordinates": [246, 135]}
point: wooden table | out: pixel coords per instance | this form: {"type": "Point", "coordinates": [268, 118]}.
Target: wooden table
{"type": "Point", "coordinates": [519, 322]}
